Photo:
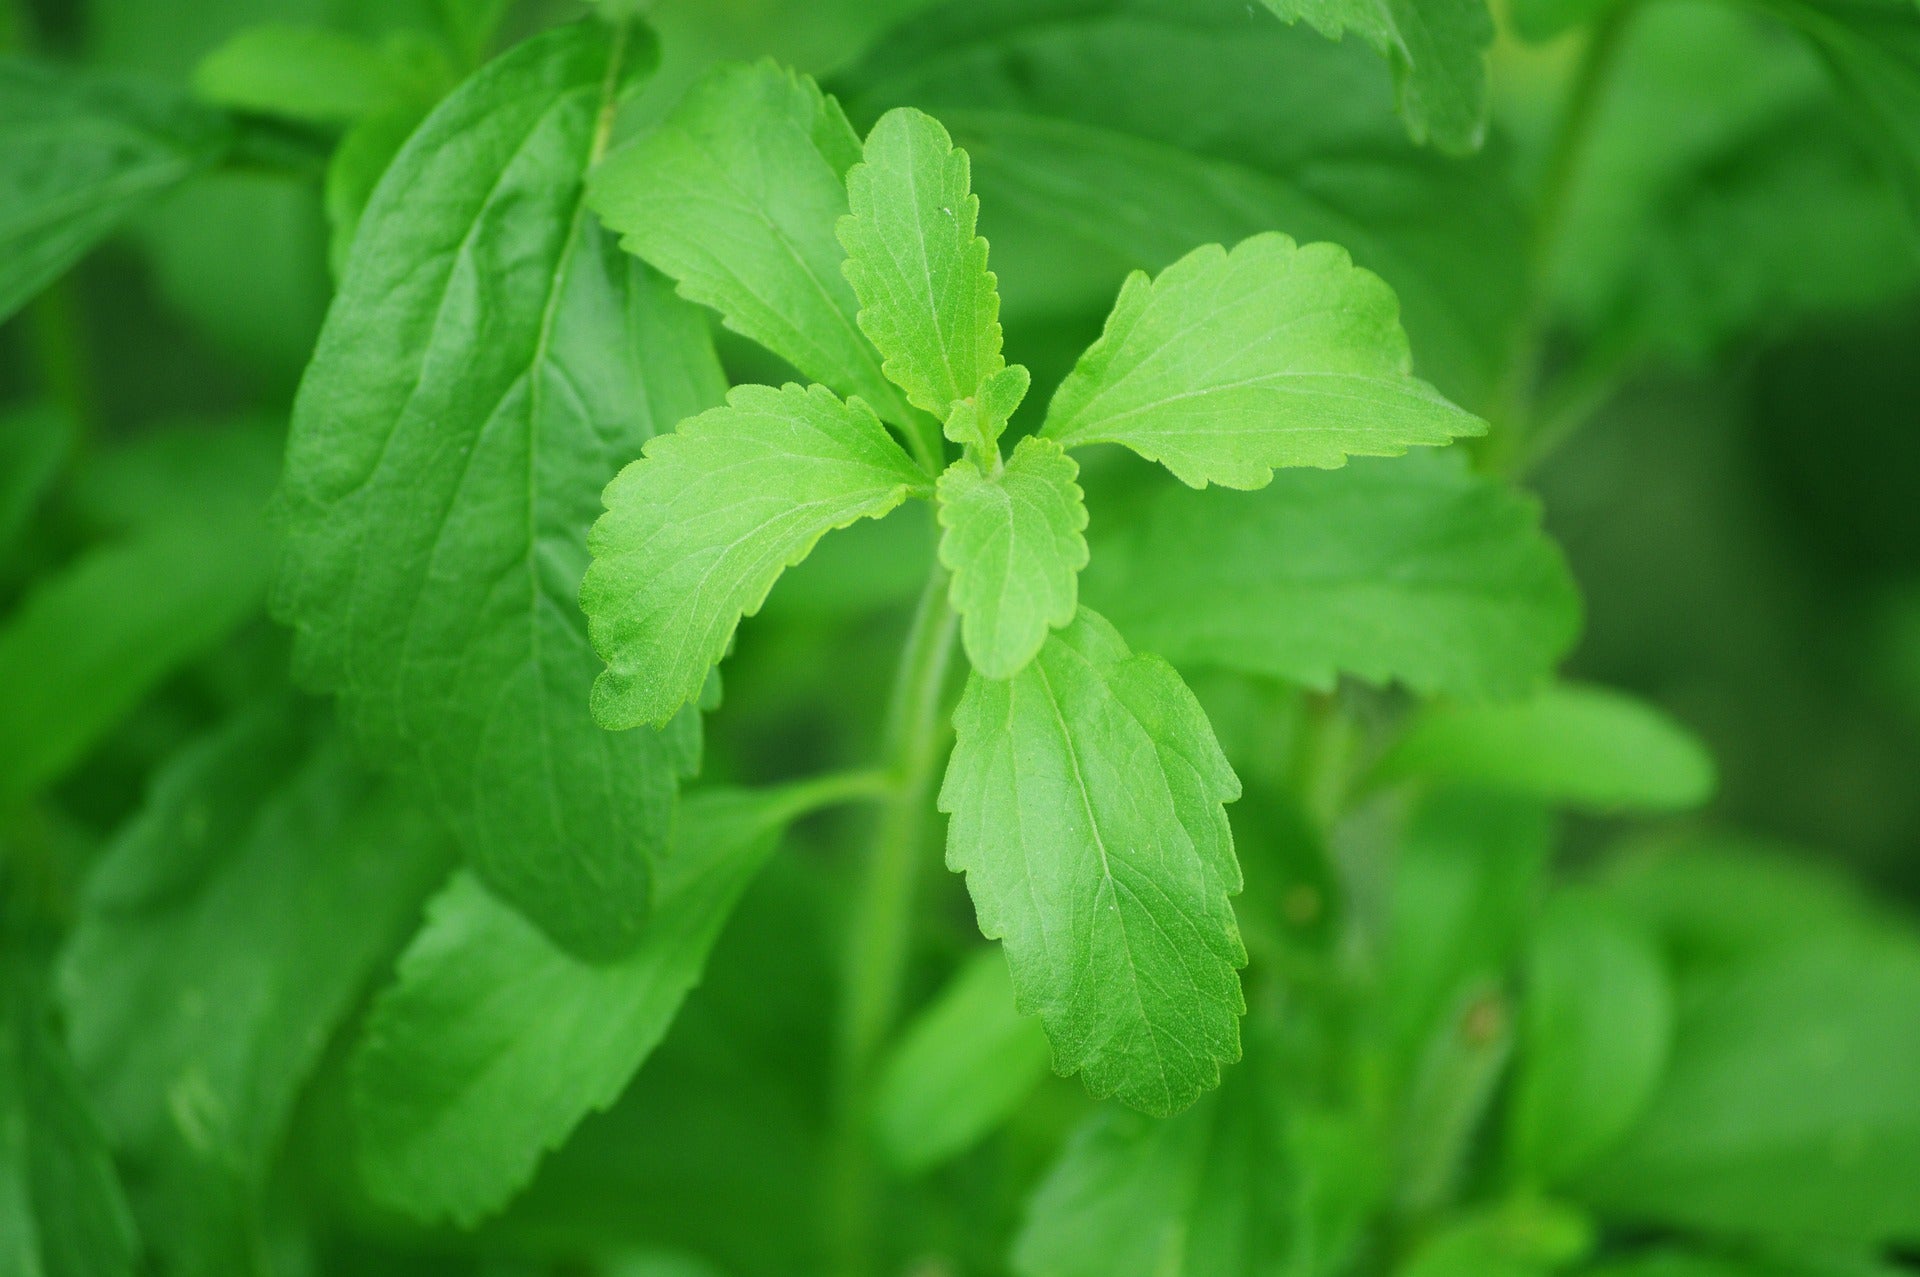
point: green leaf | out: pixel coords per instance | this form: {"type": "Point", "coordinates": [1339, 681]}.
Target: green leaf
{"type": "Point", "coordinates": [359, 162]}
{"type": "Point", "coordinates": [493, 1043]}
{"type": "Point", "coordinates": [978, 421]}
{"type": "Point", "coordinates": [1013, 542]}
{"type": "Point", "coordinates": [1231, 364]}
{"type": "Point", "coordinates": [89, 642]}
{"type": "Point", "coordinates": [960, 1068]}
{"type": "Point", "coordinates": [927, 299]}
{"type": "Point", "coordinates": [222, 939]}
{"type": "Point", "coordinates": [1575, 744]}
{"type": "Point", "coordinates": [470, 25]}
{"type": "Point", "coordinates": [302, 73]}
{"type": "Point", "coordinates": [62, 1213]}
{"type": "Point", "coordinates": [1414, 569]}
{"type": "Point", "coordinates": [78, 156]}
{"type": "Point", "coordinates": [697, 532]}
{"type": "Point", "coordinates": [1086, 795]}
{"type": "Point", "coordinates": [1232, 123]}
{"type": "Point", "coordinates": [491, 361]}
{"type": "Point", "coordinates": [1791, 1107]}
{"type": "Point", "coordinates": [1517, 1238]}
{"type": "Point", "coordinates": [34, 443]}
{"type": "Point", "coordinates": [736, 196]}
{"type": "Point", "coordinates": [1438, 49]}
{"type": "Point", "coordinates": [1594, 1028]}
{"type": "Point", "coordinates": [1208, 1193]}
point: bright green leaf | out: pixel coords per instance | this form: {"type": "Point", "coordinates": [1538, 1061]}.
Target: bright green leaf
{"type": "Point", "coordinates": [979, 420]}
{"type": "Point", "coordinates": [1580, 745]}
{"type": "Point", "coordinates": [1517, 1238]}
{"type": "Point", "coordinates": [491, 361]}
{"type": "Point", "coordinates": [697, 532]}
{"type": "Point", "coordinates": [1086, 795]}
{"type": "Point", "coordinates": [1013, 543]}
{"type": "Point", "coordinates": [1232, 364]}
{"type": "Point", "coordinates": [493, 1043]}
{"type": "Point", "coordinates": [959, 1069]}
{"type": "Point", "coordinates": [1438, 49]}
{"type": "Point", "coordinates": [927, 299]}
{"type": "Point", "coordinates": [736, 196]}
{"type": "Point", "coordinates": [1413, 569]}
{"type": "Point", "coordinates": [78, 156]}
{"type": "Point", "coordinates": [302, 73]}
{"type": "Point", "coordinates": [1596, 1015]}
{"type": "Point", "coordinates": [359, 162]}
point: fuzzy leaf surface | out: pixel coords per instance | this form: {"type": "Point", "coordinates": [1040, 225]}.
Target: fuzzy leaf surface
{"type": "Point", "coordinates": [1229, 365]}
{"type": "Point", "coordinates": [736, 196]}
{"type": "Point", "coordinates": [1015, 545]}
{"type": "Point", "coordinates": [1086, 795]}
{"type": "Point", "coordinates": [491, 360]}
{"type": "Point", "coordinates": [927, 299]}
{"type": "Point", "coordinates": [698, 530]}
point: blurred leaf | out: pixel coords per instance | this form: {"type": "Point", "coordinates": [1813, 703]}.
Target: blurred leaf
{"type": "Point", "coordinates": [1791, 1107]}
{"type": "Point", "coordinates": [34, 444]}
{"type": "Point", "coordinates": [1595, 1019]}
{"type": "Point", "coordinates": [88, 643]}
{"type": "Point", "coordinates": [221, 941]}
{"type": "Point", "coordinates": [960, 1067]}
{"type": "Point", "coordinates": [78, 155]}
{"type": "Point", "coordinates": [1520, 1238]}
{"type": "Point", "coordinates": [183, 474]}
{"type": "Point", "coordinates": [61, 1209]}
{"type": "Point", "coordinates": [1719, 195]}
{"type": "Point", "coordinates": [304, 73]}
{"type": "Point", "coordinates": [1673, 1262]}
{"type": "Point", "coordinates": [1412, 569]}
{"type": "Point", "coordinates": [448, 448]}
{"type": "Point", "coordinates": [493, 1043]}
{"type": "Point", "coordinates": [1438, 49]}
{"type": "Point", "coordinates": [1230, 124]}
{"type": "Point", "coordinates": [359, 162]}
{"type": "Point", "coordinates": [1572, 744]}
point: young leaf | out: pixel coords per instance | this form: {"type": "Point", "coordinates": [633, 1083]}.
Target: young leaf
{"type": "Point", "coordinates": [78, 156]}
{"type": "Point", "coordinates": [1438, 49]}
{"type": "Point", "coordinates": [62, 1212]}
{"type": "Point", "coordinates": [490, 362]}
{"type": "Point", "coordinates": [927, 299]}
{"type": "Point", "coordinates": [1596, 1016]}
{"type": "Point", "coordinates": [736, 196]}
{"type": "Point", "coordinates": [960, 1068]}
{"type": "Point", "coordinates": [222, 939]}
{"type": "Point", "coordinates": [1086, 795]}
{"type": "Point", "coordinates": [1414, 569]}
{"type": "Point", "coordinates": [1013, 542]}
{"type": "Point", "coordinates": [1791, 1106]}
{"type": "Point", "coordinates": [303, 73]}
{"type": "Point", "coordinates": [1574, 744]}
{"type": "Point", "coordinates": [697, 532]}
{"type": "Point", "coordinates": [493, 1043]}
{"type": "Point", "coordinates": [978, 421]}
{"type": "Point", "coordinates": [1231, 364]}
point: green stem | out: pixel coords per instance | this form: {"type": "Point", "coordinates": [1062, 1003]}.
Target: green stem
{"type": "Point", "coordinates": [1516, 399]}
{"type": "Point", "coordinates": [881, 925]}
{"type": "Point", "coordinates": [803, 797]}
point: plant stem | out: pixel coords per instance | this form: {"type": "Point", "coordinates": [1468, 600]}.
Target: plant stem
{"type": "Point", "coordinates": [1516, 397]}
{"type": "Point", "coordinates": [881, 925]}
{"type": "Point", "coordinates": [804, 797]}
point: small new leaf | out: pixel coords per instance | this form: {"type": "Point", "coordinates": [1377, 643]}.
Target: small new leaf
{"type": "Point", "coordinates": [927, 299]}
{"type": "Point", "coordinates": [977, 421]}
{"type": "Point", "coordinates": [698, 530]}
{"type": "Point", "coordinates": [1086, 796]}
{"type": "Point", "coordinates": [1014, 543]}
{"type": "Point", "coordinates": [1232, 364]}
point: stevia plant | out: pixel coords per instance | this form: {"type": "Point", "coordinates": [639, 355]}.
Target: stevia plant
{"type": "Point", "coordinates": [667, 568]}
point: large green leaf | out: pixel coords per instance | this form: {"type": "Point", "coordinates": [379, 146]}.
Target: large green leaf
{"type": "Point", "coordinates": [1438, 49]}
{"type": "Point", "coordinates": [491, 361]}
{"type": "Point", "coordinates": [736, 195]}
{"type": "Point", "coordinates": [493, 1043]}
{"type": "Point", "coordinates": [1414, 569]}
{"type": "Point", "coordinates": [697, 532]}
{"type": "Point", "coordinates": [1229, 365]}
{"type": "Point", "coordinates": [1229, 123]}
{"type": "Point", "coordinates": [79, 155]}
{"type": "Point", "coordinates": [1086, 795]}
{"type": "Point", "coordinates": [1791, 1107]}
{"type": "Point", "coordinates": [927, 299]}
{"type": "Point", "coordinates": [961, 1066]}
{"type": "Point", "coordinates": [62, 1213]}
{"type": "Point", "coordinates": [225, 935]}
{"type": "Point", "coordinates": [1014, 543]}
